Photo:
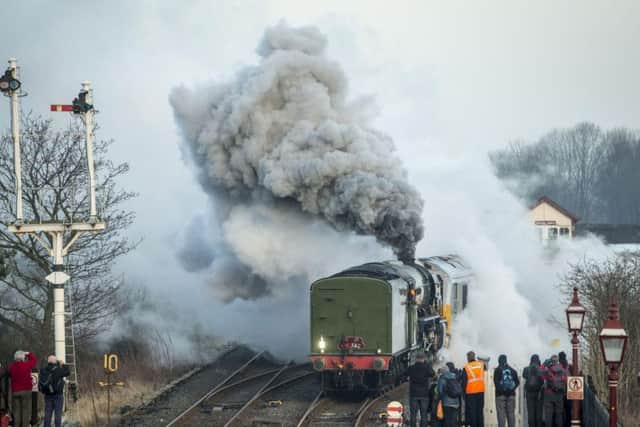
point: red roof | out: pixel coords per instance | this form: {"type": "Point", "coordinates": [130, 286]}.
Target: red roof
{"type": "Point", "coordinates": [545, 199]}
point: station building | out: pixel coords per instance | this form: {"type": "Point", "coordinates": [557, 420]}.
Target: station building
{"type": "Point", "coordinates": [552, 220]}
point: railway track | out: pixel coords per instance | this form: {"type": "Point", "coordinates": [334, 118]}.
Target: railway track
{"type": "Point", "coordinates": [174, 400]}
{"type": "Point", "coordinates": [370, 415]}
{"type": "Point", "coordinates": [328, 411]}
{"type": "Point", "coordinates": [282, 403]}
{"type": "Point", "coordinates": [238, 399]}
{"type": "Point", "coordinates": [243, 388]}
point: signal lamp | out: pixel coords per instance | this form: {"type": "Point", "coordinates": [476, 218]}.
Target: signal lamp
{"type": "Point", "coordinates": [8, 83]}
{"type": "Point", "coordinates": [80, 104]}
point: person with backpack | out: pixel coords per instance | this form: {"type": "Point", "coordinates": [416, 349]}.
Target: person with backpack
{"type": "Point", "coordinates": [20, 375]}
{"type": "Point", "coordinates": [533, 383]}
{"type": "Point", "coordinates": [506, 381]}
{"type": "Point", "coordinates": [473, 387]}
{"type": "Point", "coordinates": [449, 393]}
{"type": "Point", "coordinates": [555, 379]}
{"type": "Point", "coordinates": [51, 384]}
{"type": "Point", "coordinates": [562, 359]}
{"type": "Point", "coordinates": [420, 375]}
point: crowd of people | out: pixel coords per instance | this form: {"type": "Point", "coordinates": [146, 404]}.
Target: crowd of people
{"type": "Point", "coordinates": [19, 391]}
{"type": "Point", "coordinates": [438, 399]}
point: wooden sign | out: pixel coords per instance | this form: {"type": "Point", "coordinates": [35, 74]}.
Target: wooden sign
{"type": "Point", "coordinates": [575, 388]}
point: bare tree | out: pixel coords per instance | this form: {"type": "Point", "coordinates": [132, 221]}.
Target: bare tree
{"type": "Point", "coordinates": [591, 173]}
{"type": "Point", "coordinates": [55, 188]}
{"type": "Point", "coordinates": [618, 183]}
{"type": "Point", "coordinates": [597, 283]}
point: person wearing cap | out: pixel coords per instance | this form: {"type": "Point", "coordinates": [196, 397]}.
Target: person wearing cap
{"type": "Point", "coordinates": [533, 384]}
{"type": "Point", "coordinates": [51, 384]}
{"type": "Point", "coordinates": [473, 387]}
{"type": "Point", "coordinates": [21, 387]}
{"type": "Point", "coordinates": [420, 376]}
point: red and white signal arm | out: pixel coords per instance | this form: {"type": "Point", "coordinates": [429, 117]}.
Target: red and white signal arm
{"type": "Point", "coordinates": [394, 414]}
{"type": "Point", "coordinates": [61, 107]}
{"type": "Point", "coordinates": [34, 381]}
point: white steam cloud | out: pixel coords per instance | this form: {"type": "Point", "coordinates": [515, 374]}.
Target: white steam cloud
{"type": "Point", "coordinates": [515, 307]}
{"type": "Point", "coordinates": [283, 137]}
{"type": "Point", "coordinates": [291, 165]}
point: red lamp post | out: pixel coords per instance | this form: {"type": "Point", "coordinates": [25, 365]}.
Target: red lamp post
{"type": "Point", "coordinates": [575, 321]}
{"type": "Point", "coordinates": [613, 342]}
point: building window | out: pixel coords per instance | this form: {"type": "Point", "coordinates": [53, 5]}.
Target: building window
{"type": "Point", "coordinates": [553, 233]}
{"type": "Point", "coordinates": [564, 232]}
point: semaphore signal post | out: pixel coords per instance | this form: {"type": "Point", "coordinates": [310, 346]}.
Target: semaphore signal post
{"type": "Point", "coordinates": [62, 235]}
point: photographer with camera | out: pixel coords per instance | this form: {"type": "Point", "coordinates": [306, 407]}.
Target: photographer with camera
{"type": "Point", "coordinates": [51, 384]}
{"type": "Point", "coordinates": [20, 375]}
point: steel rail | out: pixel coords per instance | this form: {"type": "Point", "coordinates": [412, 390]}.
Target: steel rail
{"type": "Point", "coordinates": [364, 409]}
{"type": "Point", "coordinates": [316, 402]}
{"type": "Point", "coordinates": [268, 389]}
{"type": "Point", "coordinates": [361, 409]}
{"type": "Point", "coordinates": [180, 380]}
{"type": "Point", "coordinates": [256, 395]}
{"type": "Point", "coordinates": [287, 381]}
{"type": "Point", "coordinates": [214, 390]}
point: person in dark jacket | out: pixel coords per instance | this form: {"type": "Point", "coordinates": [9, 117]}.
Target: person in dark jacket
{"type": "Point", "coordinates": [420, 377]}
{"type": "Point", "coordinates": [506, 381]}
{"type": "Point", "coordinates": [533, 383]}
{"type": "Point", "coordinates": [52, 386]}
{"type": "Point", "coordinates": [562, 358]}
{"type": "Point", "coordinates": [450, 405]}
{"type": "Point", "coordinates": [20, 375]}
{"type": "Point", "coordinates": [555, 379]}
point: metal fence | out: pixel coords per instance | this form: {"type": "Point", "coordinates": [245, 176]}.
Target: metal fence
{"type": "Point", "coordinates": [594, 413]}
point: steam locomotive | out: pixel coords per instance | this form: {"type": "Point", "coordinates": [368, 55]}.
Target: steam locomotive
{"type": "Point", "coordinates": [368, 322]}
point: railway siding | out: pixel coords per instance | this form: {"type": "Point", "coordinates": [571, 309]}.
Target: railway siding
{"type": "Point", "coordinates": [177, 396]}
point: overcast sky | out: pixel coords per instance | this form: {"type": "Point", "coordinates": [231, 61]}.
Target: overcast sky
{"type": "Point", "coordinates": [451, 78]}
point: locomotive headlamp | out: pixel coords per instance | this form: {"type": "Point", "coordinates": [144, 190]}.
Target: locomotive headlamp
{"type": "Point", "coordinates": [322, 344]}
{"type": "Point", "coordinates": [379, 351]}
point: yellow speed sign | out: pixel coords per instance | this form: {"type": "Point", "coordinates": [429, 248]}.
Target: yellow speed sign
{"type": "Point", "coordinates": [111, 362]}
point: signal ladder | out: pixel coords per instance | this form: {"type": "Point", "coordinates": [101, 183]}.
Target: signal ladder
{"type": "Point", "coordinates": [70, 346]}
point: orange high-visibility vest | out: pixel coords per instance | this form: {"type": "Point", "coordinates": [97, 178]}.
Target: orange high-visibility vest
{"type": "Point", "coordinates": [475, 377]}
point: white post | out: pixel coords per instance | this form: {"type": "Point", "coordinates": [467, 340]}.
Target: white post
{"type": "Point", "coordinates": [15, 133]}
{"type": "Point", "coordinates": [88, 123]}
{"type": "Point", "coordinates": [58, 297]}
